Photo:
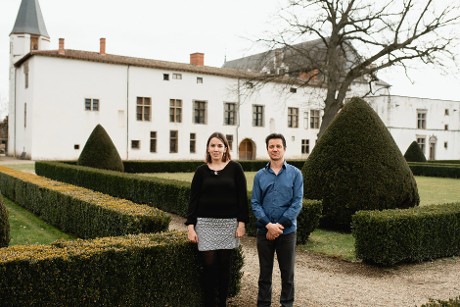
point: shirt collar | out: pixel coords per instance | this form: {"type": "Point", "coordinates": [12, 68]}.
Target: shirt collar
{"type": "Point", "coordinates": [267, 166]}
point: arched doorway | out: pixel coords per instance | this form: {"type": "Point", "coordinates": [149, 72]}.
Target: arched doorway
{"type": "Point", "coordinates": [247, 150]}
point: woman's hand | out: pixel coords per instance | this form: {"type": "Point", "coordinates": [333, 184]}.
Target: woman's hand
{"type": "Point", "coordinates": [240, 230]}
{"type": "Point", "coordinates": [191, 233]}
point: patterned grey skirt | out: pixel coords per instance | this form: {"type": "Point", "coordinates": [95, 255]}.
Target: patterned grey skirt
{"type": "Point", "coordinates": [216, 233]}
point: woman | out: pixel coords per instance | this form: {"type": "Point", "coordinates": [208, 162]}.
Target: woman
{"type": "Point", "coordinates": [217, 214]}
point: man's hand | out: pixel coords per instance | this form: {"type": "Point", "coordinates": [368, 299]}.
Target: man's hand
{"type": "Point", "coordinates": [274, 230]}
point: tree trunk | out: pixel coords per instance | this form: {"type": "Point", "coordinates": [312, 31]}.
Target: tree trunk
{"type": "Point", "coordinates": [331, 109]}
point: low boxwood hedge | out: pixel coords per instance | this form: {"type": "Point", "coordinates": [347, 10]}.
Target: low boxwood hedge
{"type": "Point", "coordinates": [168, 195]}
{"type": "Point", "coordinates": [417, 234]}
{"type": "Point", "coordinates": [134, 270]}
{"type": "Point", "coordinates": [79, 211]}
{"type": "Point", "coordinates": [433, 169]}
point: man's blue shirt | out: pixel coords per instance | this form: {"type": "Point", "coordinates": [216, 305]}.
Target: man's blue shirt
{"type": "Point", "coordinates": [277, 198]}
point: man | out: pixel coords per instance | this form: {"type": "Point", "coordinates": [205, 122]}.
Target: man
{"type": "Point", "coordinates": [276, 202]}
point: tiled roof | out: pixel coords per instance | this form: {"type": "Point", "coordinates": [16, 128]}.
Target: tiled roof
{"type": "Point", "coordinates": [139, 62]}
{"type": "Point", "coordinates": [92, 56]}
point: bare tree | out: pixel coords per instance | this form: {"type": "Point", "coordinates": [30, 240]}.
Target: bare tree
{"type": "Point", "coordinates": [356, 38]}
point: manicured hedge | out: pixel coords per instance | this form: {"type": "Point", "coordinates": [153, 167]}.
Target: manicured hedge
{"type": "Point", "coordinates": [79, 211]}
{"type": "Point", "coordinates": [432, 169]}
{"type": "Point", "coordinates": [417, 234]}
{"type": "Point", "coordinates": [4, 224]}
{"type": "Point", "coordinates": [168, 195]}
{"type": "Point", "coordinates": [189, 166]}
{"type": "Point", "coordinates": [134, 270]}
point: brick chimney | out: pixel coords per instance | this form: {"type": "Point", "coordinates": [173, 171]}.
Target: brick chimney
{"type": "Point", "coordinates": [61, 46]}
{"type": "Point", "coordinates": [197, 59]}
{"type": "Point", "coordinates": [102, 46]}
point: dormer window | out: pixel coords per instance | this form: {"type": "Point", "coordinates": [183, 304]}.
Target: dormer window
{"type": "Point", "coordinates": [34, 42]}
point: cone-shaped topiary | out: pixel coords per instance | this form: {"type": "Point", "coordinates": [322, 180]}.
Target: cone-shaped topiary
{"type": "Point", "coordinates": [4, 225]}
{"type": "Point", "coordinates": [356, 165]}
{"type": "Point", "coordinates": [414, 153]}
{"type": "Point", "coordinates": [100, 152]}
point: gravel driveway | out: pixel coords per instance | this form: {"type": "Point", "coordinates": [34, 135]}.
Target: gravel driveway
{"type": "Point", "coordinates": [326, 281]}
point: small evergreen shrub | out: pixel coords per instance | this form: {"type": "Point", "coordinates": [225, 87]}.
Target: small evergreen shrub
{"type": "Point", "coordinates": [356, 165]}
{"type": "Point", "coordinates": [4, 225]}
{"type": "Point", "coordinates": [414, 153]}
{"type": "Point", "coordinates": [100, 152]}
{"type": "Point", "coordinates": [452, 302]}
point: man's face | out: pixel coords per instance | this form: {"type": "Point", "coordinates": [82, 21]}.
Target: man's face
{"type": "Point", "coordinates": [275, 149]}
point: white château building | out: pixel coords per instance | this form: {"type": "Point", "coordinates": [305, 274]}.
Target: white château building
{"type": "Point", "coordinates": [158, 110]}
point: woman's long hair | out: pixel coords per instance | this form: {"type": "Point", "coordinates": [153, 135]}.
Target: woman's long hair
{"type": "Point", "coordinates": [226, 156]}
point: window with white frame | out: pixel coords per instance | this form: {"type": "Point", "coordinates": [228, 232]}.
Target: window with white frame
{"type": "Point", "coordinates": [305, 146]}
{"type": "Point", "coordinates": [173, 141]}
{"type": "Point", "coordinates": [421, 119]}
{"type": "Point", "coordinates": [257, 115]}
{"type": "Point", "coordinates": [26, 74]}
{"type": "Point", "coordinates": [199, 80]}
{"type": "Point", "coordinates": [293, 117]}
{"type": "Point", "coordinates": [199, 112]}
{"type": "Point", "coordinates": [314, 119]}
{"type": "Point", "coordinates": [229, 138]}
{"type": "Point", "coordinates": [192, 142]}
{"type": "Point", "coordinates": [229, 113]}
{"type": "Point", "coordinates": [91, 104]}
{"type": "Point", "coordinates": [421, 141]}
{"type": "Point", "coordinates": [143, 108]}
{"type": "Point", "coordinates": [135, 144]}
{"type": "Point", "coordinates": [175, 110]}
{"type": "Point", "coordinates": [153, 141]}
{"type": "Point", "coordinates": [177, 76]}
{"type": "Point", "coordinates": [305, 120]}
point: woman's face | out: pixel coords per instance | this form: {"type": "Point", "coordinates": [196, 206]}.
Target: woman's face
{"type": "Point", "coordinates": [216, 149]}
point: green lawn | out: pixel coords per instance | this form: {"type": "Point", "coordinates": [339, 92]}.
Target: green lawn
{"type": "Point", "coordinates": [26, 228]}
{"type": "Point", "coordinates": [432, 190]}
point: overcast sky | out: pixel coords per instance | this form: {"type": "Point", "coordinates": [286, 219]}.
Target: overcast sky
{"type": "Point", "coordinates": [170, 30]}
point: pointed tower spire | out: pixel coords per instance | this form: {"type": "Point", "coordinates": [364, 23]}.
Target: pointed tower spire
{"type": "Point", "coordinates": [30, 19]}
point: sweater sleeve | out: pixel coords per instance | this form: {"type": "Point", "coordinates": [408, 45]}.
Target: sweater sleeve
{"type": "Point", "coordinates": [242, 190]}
{"type": "Point", "coordinates": [194, 198]}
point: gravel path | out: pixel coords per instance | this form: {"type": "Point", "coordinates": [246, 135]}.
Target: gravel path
{"type": "Point", "coordinates": [325, 281]}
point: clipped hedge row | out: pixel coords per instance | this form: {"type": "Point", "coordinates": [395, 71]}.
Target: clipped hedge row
{"type": "Point", "coordinates": [432, 169]}
{"type": "Point", "coordinates": [190, 166]}
{"type": "Point", "coordinates": [168, 195]}
{"type": "Point", "coordinates": [133, 270]}
{"type": "Point", "coordinates": [452, 302]}
{"type": "Point", "coordinates": [78, 211]}
{"type": "Point", "coordinates": [417, 234]}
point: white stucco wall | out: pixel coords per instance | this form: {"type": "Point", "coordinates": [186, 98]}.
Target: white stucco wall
{"type": "Point", "coordinates": [56, 116]}
{"type": "Point", "coordinates": [57, 120]}
{"type": "Point", "coordinates": [399, 113]}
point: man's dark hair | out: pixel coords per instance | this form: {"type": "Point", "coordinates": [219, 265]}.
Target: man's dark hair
{"type": "Point", "coordinates": [275, 136]}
